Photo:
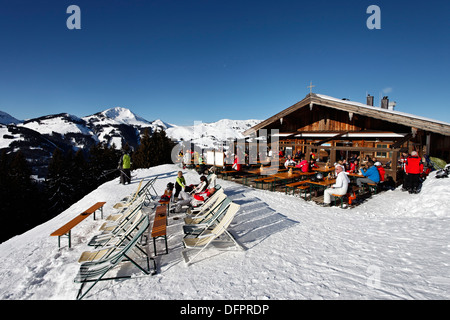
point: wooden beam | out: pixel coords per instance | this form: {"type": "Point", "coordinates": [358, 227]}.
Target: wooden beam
{"type": "Point", "coordinates": [400, 142]}
{"type": "Point", "coordinates": [331, 138]}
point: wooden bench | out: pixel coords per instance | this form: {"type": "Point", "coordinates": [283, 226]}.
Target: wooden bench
{"type": "Point", "coordinates": [293, 185]}
{"type": "Point", "coordinates": [225, 174]}
{"type": "Point", "coordinates": [159, 229]}
{"type": "Point", "coordinates": [340, 197]}
{"type": "Point", "coordinates": [263, 180]}
{"type": "Point", "coordinates": [304, 189]}
{"type": "Point", "coordinates": [372, 187]}
{"type": "Point", "coordinates": [66, 230]}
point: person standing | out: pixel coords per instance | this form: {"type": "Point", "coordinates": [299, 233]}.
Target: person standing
{"type": "Point", "coordinates": [413, 169]}
{"type": "Point", "coordinates": [180, 184]}
{"type": "Point", "coordinates": [125, 168]}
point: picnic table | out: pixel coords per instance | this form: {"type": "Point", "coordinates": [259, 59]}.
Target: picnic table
{"type": "Point", "coordinates": [320, 185]}
{"type": "Point", "coordinates": [324, 170]}
{"type": "Point", "coordinates": [266, 172]}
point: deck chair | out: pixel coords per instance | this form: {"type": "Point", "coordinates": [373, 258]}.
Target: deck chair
{"type": "Point", "coordinates": [209, 236]}
{"type": "Point", "coordinates": [204, 205]}
{"type": "Point", "coordinates": [129, 199]}
{"type": "Point", "coordinates": [208, 222]}
{"type": "Point", "coordinates": [150, 191]}
{"type": "Point", "coordinates": [212, 179]}
{"type": "Point", "coordinates": [210, 215]}
{"type": "Point", "coordinates": [92, 272]}
{"type": "Point", "coordinates": [116, 234]}
{"type": "Point", "coordinates": [117, 216]}
{"type": "Point", "coordinates": [119, 219]}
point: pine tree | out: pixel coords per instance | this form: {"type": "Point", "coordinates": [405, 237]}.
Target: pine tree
{"type": "Point", "coordinates": [142, 156]}
{"type": "Point", "coordinates": [58, 182]}
{"type": "Point", "coordinates": [22, 202]}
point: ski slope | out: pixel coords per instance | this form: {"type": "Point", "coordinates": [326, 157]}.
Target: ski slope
{"type": "Point", "coordinates": [394, 246]}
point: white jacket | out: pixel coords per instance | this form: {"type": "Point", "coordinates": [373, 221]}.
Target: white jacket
{"type": "Point", "coordinates": [342, 181]}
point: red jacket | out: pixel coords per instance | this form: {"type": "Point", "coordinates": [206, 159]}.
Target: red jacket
{"type": "Point", "coordinates": [413, 165]}
{"type": "Point", "coordinates": [304, 165]}
{"type": "Point", "coordinates": [382, 172]}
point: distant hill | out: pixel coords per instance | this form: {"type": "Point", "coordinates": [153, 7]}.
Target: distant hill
{"type": "Point", "coordinates": [37, 138]}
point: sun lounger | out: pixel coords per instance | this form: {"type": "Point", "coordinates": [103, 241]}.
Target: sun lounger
{"type": "Point", "coordinates": [92, 272]}
{"type": "Point", "coordinates": [210, 235]}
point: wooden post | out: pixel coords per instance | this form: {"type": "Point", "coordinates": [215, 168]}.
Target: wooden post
{"type": "Point", "coordinates": [394, 162]}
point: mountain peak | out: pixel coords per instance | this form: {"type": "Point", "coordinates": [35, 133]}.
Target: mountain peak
{"type": "Point", "coordinates": [6, 118]}
{"type": "Point", "coordinates": [124, 116]}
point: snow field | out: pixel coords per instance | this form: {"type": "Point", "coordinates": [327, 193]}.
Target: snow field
{"type": "Point", "coordinates": [393, 246]}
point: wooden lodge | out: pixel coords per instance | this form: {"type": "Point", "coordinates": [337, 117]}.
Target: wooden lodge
{"type": "Point", "coordinates": [335, 129]}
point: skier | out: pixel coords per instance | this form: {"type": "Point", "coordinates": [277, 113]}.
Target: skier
{"type": "Point", "coordinates": [125, 167]}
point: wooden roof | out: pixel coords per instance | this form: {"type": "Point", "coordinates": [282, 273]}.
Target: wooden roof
{"type": "Point", "coordinates": [361, 109]}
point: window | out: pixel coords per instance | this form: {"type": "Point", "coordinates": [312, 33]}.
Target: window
{"type": "Point", "coordinates": [383, 154]}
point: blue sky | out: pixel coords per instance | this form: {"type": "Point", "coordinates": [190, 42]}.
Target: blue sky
{"type": "Point", "coordinates": [188, 60]}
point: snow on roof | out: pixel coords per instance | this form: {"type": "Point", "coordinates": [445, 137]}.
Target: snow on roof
{"type": "Point", "coordinates": [362, 105]}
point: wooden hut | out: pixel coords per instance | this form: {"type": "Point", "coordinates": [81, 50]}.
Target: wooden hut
{"type": "Point", "coordinates": [338, 128]}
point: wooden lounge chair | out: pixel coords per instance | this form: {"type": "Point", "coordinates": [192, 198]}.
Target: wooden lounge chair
{"type": "Point", "coordinates": [212, 218]}
{"type": "Point", "coordinates": [206, 207]}
{"type": "Point", "coordinates": [121, 230]}
{"type": "Point", "coordinates": [92, 272]}
{"type": "Point", "coordinates": [209, 236]}
{"type": "Point", "coordinates": [117, 216]}
{"type": "Point", "coordinates": [128, 200]}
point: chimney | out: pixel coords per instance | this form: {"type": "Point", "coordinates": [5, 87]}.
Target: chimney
{"type": "Point", "coordinates": [392, 105]}
{"type": "Point", "coordinates": [369, 100]}
{"type": "Point", "coordinates": [385, 103]}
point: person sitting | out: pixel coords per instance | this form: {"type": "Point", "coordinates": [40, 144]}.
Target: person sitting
{"type": "Point", "coordinates": [339, 188]}
{"type": "Point", "coordinates": [353, 166]}
{"type": "Point", "coordinates": [193, 200]}
{"type": "Point", "coordinates": [371, 175]}
{"type": "Point", "coordinates": [202, 186]}
{"type": "Point", "coordinates": [381, 170]}
{"type": "Point", "coordinates": [167, 193]}
{"type": "Point", "coordinates": [312, 164]}
{"type": "Point", "coordinates": [289, 162]}
{"type": "Point", "coordinates": [303, 165]}
{"type": "Point", "coordinates": [197, 188]}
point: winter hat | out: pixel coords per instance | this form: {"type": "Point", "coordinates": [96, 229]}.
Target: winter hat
{"type": "Point", "coordinates": [378, 163]}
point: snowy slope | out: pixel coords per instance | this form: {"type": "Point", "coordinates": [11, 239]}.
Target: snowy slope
{"type": "Point", "coordinates": [211, 135]}
{"type": "Point", "coordinates": [394, 246]}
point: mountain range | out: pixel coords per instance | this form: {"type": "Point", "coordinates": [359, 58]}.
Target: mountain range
{"type": "Point", "coordinates": [37, 138]}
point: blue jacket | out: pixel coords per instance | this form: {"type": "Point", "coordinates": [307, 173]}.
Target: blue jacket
{"type": "Point", "coordinates": [372, 174]}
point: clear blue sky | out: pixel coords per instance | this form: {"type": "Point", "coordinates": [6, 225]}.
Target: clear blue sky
{"type": "Point", "coordinates": [188, 60]}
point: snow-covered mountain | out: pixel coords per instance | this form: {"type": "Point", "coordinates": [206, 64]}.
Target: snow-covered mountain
{"type": "Point", "coordinates": [211, 135]}
{"type": "Point", "coordinates": [6, 118]}
{"type": "Point", "coordinates": [116, 126]}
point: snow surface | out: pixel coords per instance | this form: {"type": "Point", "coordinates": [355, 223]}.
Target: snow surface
{"type": "Point", "coordinates": [394, 246]}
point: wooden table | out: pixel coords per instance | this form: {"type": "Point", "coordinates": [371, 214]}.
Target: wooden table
{"type": "Point", "coordinates": [323, 184]}
{"type": "Point", "coordinates": [159, 229]}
